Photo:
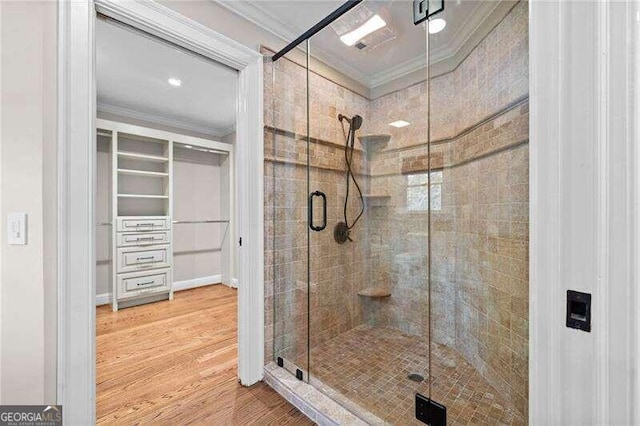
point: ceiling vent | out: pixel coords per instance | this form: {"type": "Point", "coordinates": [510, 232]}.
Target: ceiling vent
{"type": "Point", "coordinates": [355, 18]}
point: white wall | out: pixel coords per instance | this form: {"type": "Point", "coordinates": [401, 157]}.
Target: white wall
{"type": "Point", "coordinates": [197, 195]}
{"type": "Point", "coordinates": [27, 184]}
{"type": "Point", "coordinates": [584, 211]}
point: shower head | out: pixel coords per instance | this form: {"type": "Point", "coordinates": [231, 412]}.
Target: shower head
{"type": "Point", "coordinates": [355, 122]}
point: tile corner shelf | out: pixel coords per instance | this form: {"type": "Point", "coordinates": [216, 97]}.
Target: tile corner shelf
{"type": "Point", "coordinates": [375, 292]}
{"type": "Point", "coordinates": [372, 144]}
{"type": "Point", "coordinates": [376, 199]}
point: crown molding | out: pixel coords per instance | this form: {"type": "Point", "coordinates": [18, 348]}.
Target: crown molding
{"type": "Point", "coordinates": [398, 71]}
{"type": "Point", "coordinates": [480, 22]}
{"type": "Point", "coordinates": [475, 22]}
{"type": "Point", "coordinates": [262, 18]}
{"type": "Point", "coordinates": [446, 58]}
{"type": "Point", "coordinates": [163, 120]}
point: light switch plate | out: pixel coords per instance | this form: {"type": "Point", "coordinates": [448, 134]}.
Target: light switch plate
{"type": "Point", "coordinates": [17, 229]}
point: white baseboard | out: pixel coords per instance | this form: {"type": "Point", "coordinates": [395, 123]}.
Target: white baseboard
{"type": "Point", "coordinates": [196, 282]}
{"type": "Point", "coordinates": [105, 298]}
{"type": "Point", "coordinates": [234, 283]}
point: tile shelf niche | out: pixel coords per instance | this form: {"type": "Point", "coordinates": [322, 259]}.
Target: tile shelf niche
{"type": "Point", "coordinates": [375, 292]}
{"type": "Point", "coordinates": [376, 200]}
{"type": "Point", "coordinates": [372, 144]}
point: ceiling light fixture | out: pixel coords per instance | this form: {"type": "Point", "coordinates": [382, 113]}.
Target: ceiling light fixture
{"type": "Point", "coordinates": [437, 25]}
{"type": "Point", "coordinates": [373, 24]}
{"type": "Point", "coordinates": [175, 82]}
{"type": "Point", "coordinates": [399, 123]}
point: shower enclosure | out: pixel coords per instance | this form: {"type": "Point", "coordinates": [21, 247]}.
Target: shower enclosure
{"type": "Point", "coordinates": [396, 210]}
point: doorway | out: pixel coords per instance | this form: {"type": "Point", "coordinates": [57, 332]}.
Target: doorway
{"type": "Point", "coordinates": [166, 316]}
{"type": "Point", "coordinates": [77, 168]}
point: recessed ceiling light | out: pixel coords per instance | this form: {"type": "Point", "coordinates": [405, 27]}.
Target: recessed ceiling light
{"type": "Point", "coordinates": [175, 82]}
{"type": "Point", "coordinates": [373, 24]}
{"type": "Point", "coordinates": [399, 123]}
{"type": "Point", "coordinates": [437, 25]}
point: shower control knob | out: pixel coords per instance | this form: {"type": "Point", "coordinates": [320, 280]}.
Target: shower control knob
{"type": "Point", "coordinates": [341, 233]}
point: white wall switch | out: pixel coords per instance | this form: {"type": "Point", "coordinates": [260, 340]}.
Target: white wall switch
{"type": "Point", "coordinates": [17, 229]}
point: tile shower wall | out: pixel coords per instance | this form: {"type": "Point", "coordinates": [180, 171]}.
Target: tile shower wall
{"type": "Point", "coordinates": [479, 150]}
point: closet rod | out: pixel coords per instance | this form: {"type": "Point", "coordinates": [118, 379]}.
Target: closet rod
{"type": "Point", "coordinates": [180, 222]}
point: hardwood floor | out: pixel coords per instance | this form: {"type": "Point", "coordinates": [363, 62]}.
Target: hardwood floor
{"type": "Point", "coordinates": [176, 363]}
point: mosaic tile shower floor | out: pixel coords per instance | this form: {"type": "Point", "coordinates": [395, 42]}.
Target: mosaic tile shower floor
{"type": "Point", "coordinates": [370, 366]}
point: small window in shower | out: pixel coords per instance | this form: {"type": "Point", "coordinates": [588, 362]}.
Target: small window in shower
{"type": "Point", "coordinates": [418, 192]}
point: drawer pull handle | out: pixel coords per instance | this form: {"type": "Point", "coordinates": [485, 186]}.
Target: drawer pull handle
{"type": "Point", "coordinates": [145, 283]}
{"type": "Point", "coordinates": [151, 258]}
{"type": "Point", "coordinates": [138, 225]}
{"type": "Point", "coordinates": [145, 239]}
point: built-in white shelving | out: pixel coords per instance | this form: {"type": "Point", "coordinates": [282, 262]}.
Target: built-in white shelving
{"type": "Point", "coordinates": [147, 173]}
{"type": "Point", "coordinates": [142, 209]}
{"type": "Point", "coordinates": [143, 157]}
{"type": "Point", "coordinates": [143, 196]}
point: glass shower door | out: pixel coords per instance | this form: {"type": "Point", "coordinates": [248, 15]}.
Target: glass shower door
{"type": "Point", "coordinates": [368, 193]}
{"type": "Point", "coordinates": [286, 215]}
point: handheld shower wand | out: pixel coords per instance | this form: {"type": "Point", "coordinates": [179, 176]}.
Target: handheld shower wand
{"type": "Point", "coordinates": [341, 232]}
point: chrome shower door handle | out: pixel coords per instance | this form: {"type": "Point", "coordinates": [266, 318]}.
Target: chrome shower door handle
{"type": "Point", "coordinates": [324, 210]}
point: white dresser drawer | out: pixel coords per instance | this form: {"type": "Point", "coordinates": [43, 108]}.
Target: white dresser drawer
{"type": "Point", "coordinates": [142, 223]}
{"type": "Point", "coordinates": [141, 283]}
{"type": "Point", "coordinates": [143, 238]}
{"type": "Point", "coordinates": [136, 259]}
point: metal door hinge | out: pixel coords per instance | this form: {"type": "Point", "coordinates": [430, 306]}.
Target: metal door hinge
{"type": "Point", "coordinates": [430, 412]}
{"type": "Point", "coordinates": [240, 241]}
{"type": "Point", "coordinates": [424, 9]}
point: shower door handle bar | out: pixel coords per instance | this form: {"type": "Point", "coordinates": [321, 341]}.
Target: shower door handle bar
{"type": "Point", "coordinates": [324, 210]}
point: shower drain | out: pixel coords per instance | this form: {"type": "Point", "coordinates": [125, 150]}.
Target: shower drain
{"type": "Point", "coordinates": [415, 377]}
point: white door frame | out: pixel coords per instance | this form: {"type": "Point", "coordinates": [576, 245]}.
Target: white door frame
{"type": "Point", "coordinates": [584, 211]}
{"type": "Point", "coordinates": [76, 187]}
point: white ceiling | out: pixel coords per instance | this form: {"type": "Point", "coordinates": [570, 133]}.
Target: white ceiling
{"type": "Point", "coordinates": [132, 74]}
{"type": "Point", "coordinates": [468, 21]}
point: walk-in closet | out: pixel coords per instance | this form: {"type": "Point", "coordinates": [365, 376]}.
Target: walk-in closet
{"type": "Point", "coordinates": [166, 243]}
